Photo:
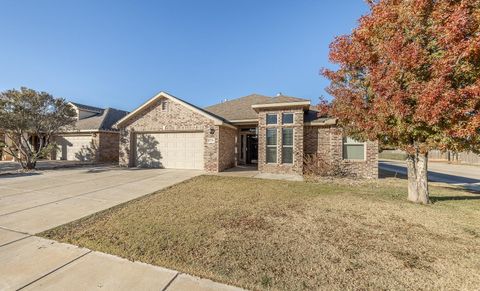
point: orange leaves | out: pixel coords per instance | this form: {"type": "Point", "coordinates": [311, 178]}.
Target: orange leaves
{"type": "Point", "coordinates": [410, 72]}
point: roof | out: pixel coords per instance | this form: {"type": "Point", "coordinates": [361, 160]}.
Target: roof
{"type": "Point", "coordinates": [311, 116]}
{"type": "Point", "coordinates": [86, 107]}
{"type": "Point", "coordinates": [285, 99]}
{"type": "Point", "coordinates": [103, 121]}
{"type": "Point", "coordinates": [240, 108]}
{"type": "Point", "coordinates": [217, 119]}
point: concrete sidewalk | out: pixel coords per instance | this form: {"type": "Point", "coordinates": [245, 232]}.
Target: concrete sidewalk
{"type": "Point", "coordinates": [31, 203]}
{"type": "Point", "coordinates": [34, 263]}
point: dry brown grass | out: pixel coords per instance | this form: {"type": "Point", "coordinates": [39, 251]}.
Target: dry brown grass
{"type": "Point", "coordinates": [262, 234]}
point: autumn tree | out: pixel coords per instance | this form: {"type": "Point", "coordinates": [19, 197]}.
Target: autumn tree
{"type": "Point", "coordinates": [29, 120]}
{"type": "Point", "coordinates": [409, 76]}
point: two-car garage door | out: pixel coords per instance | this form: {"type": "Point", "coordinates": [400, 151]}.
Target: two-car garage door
{"type": "Point", "coordinates": [176, 150]}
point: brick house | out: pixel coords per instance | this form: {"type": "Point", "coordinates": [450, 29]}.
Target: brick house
{"type": "Point", "coordinates": [93, 137]}
{"type": "Point", "coordinates": [273, 133]}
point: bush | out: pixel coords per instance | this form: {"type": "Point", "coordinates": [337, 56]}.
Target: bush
{"type": "Point", "coordinates": [317, 165]}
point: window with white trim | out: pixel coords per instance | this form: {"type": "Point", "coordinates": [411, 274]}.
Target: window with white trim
{"type": "Point", "coordinates": [287, 118]}
{"type": "Point", "coordinates": [271, 145]}
{"type": "Point", "coordinates": [287, 145]}
{"type": "Point", "coordinates": [271, 119]}
{"type": "Point", "coordinates": [353, 149]}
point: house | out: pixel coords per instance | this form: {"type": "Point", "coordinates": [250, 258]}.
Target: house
{"type": "Point", "coordinates": [273, 133]}
{"type": "Point", "coordinates": [93, 137]}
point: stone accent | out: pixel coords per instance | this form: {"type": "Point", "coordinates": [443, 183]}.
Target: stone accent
{"type": "Point", "coordinates": [279, 167]}
{"type": "Point", "coordinates": [176, 118]}
{"type": "Point", "coordinates": [328, 142]}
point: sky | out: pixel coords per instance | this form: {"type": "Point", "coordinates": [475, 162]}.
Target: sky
{"type": "Point", "coordinates": [119, 54]}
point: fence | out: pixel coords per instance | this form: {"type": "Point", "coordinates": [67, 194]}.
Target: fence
{"type": "Point", "coordinates": [436, 155]}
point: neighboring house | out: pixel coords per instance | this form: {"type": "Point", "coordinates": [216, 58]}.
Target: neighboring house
{"type": "Point", "coordinates": [4, 156]}
{"type": "Point", "coordinates": [93, 137]}
{"type": "Point", "coordinates": [274, 133]}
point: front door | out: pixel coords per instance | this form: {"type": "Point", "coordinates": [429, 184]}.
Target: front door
{"type": "Point", "coordinates": [252, 149]}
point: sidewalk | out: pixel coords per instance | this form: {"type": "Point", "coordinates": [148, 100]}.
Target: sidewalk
{"type": "Point", "coordinates": [36, 263]}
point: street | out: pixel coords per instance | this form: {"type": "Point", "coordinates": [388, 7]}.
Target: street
{"type": "Point", "coordinates": [465, 176]}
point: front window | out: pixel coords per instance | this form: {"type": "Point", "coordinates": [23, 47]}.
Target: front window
{"type": "Point", "coordinates": [287, 118]}
{"type": "Point", "coordinates": [271, 145]}
{"type": "Point", "coordinates": [287, 145]}
{"type": "Point", "coordinates": [353, 150]}
{"type": "Point", "coordinates": [271, 119]}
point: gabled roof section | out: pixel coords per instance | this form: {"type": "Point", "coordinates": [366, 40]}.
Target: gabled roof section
{"type": "Point", "coordinates": [217, 119]}
{"type": "Point", "coordinates": [238, 109]}
{"type": "Point", "coordinates": [104, 121]}
{"type": "Point", "coordinates": [86, 107]}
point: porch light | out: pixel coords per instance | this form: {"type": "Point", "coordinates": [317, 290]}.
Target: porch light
{"type": "Point", "coordinates": [212, 131]}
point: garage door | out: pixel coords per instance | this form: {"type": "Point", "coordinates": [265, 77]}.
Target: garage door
{"type": "Point", "coordinates": [75, 148]}
{"type": "Point", "coordinates": [170, 150]}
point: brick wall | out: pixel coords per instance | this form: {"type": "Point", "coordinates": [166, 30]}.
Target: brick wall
{"type": "Point", "coordinates": [176, 118]}
{"type": "Point", "coordinates": [108, 145]}
{"type": "Point", "coordinates": [328, 142]}
{"type": "Point", "coordinates": [279, 167]}
{"type": "Point", "coordinates": [227, 144]}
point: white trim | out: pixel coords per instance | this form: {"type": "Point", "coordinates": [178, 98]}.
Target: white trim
{"type": "Point", "coordinates": [292, 146]}
{"type": "Point", "coordinates": [355, 160]}
{"type": "Point", "coordinates": [285, 104]}
{"type": "Point", "coordinates": [244, 121]}
{"type": "Point", "coordinates": [276, 146]}
{"type": "Point", "coordinates": [162, 94]}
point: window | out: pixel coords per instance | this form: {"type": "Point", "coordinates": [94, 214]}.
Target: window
{"type": "Point", "coordinates": [287, 145]}
{"type": "Point", "coordinates": [271, 119]}
{"type": "Point", "coordinates": [353, 150]}
{"type": "Point", "coordinates": [164, 105]}
{"type": "Point", "coordinates": [287, 118]}
{"type": "Point", "coordinates": [271, 145]}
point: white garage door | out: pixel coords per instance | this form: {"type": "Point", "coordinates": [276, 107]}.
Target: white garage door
{"type": "Point", "coordinates": [170, 150]}
{"type": "Point", "coordinates": [75, 148]}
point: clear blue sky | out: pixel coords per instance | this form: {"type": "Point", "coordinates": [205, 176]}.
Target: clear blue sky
{"type": "Point", "coordinates": [120, 53]}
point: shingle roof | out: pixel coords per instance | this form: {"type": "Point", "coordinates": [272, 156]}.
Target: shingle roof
{"type": "Point", "coordinates": [241, 108]}
{"type": "Point", "coordinates": [86, 107]}
{"type": "Point", "coordinates": [103, 121]}
{"type": "Point", "coordinates": [285, 99]}
{"type": "Point", "coordinates": [238, 109]}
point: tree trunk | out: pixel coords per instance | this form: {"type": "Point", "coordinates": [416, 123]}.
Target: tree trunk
{"type": "Point", "coordinates": [417, 165]}
{"type": "Point", "coordinates": [422, 179]}
{"type": "Point", "coordinates": [412, 177]}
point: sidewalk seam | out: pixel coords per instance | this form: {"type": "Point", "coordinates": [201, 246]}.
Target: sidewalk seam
{"type": "Point", "coordinates": [54, 270]}
{"type": "Point", "coordinates": [171, 281]}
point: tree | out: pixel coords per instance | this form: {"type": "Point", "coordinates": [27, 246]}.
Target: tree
{"type": "Point", "coordinates": [29, 120]}
{"type": "Point", "coordinates": [409, 76]}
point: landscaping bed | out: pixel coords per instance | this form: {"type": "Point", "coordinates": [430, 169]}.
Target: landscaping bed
{"type": "Point", "coordinates": [266, 234]}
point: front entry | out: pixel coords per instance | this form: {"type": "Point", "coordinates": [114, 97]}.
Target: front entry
{"type": "Point", "coordinates": [248, 146]}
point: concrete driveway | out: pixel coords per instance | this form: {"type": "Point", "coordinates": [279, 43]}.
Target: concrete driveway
{"type": "Point", "coordinates": [31, 203]}
{"type": "Point", "coordinates": [465, 176]}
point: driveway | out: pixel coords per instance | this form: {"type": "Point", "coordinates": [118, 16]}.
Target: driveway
{"type": "Point", "coordinates": [31, 203]}
{"type": "Point", "coordinates": [465, 176]}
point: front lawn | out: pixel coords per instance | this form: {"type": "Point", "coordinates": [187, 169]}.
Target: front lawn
{"type": "Point", "coordinates": [265, 234]}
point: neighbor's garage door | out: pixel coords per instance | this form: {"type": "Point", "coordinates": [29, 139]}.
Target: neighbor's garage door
{"type": "Point", "coordinates": [75, 148]}
{"type": "Point", "coordinates": [170, 150]}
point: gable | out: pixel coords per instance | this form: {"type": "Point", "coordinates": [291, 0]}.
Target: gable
{"type": "Point", "coordinates": [176, 116]}
{"type": "Point", "coordinates": [178, 111]}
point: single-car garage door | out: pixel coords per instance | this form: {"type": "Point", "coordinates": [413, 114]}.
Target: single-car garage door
{"type": "Point", "coordinates": [176, 150]}
{"type": "Point", "coordinates": [75, 147]}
